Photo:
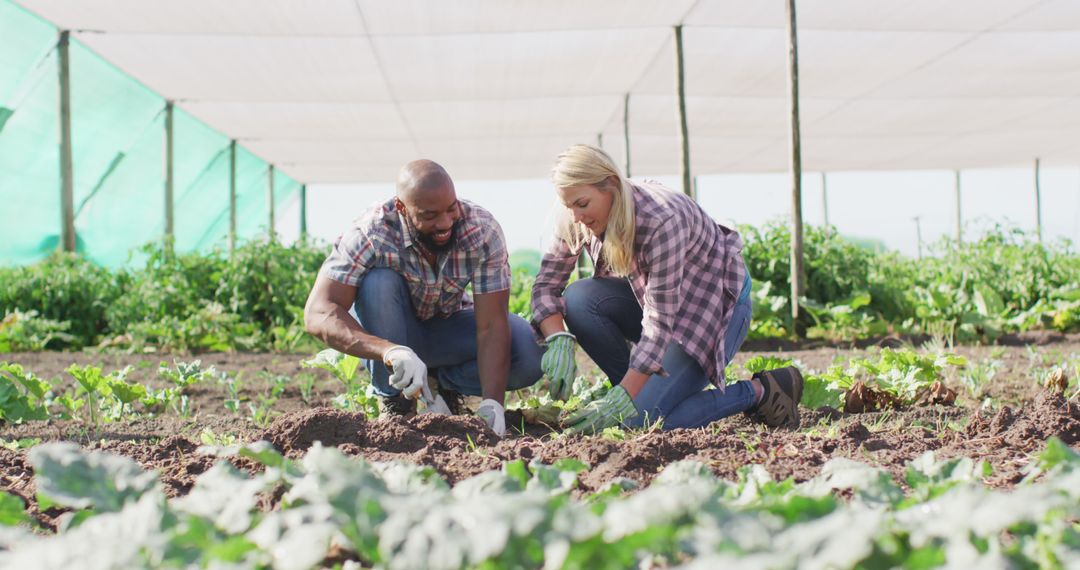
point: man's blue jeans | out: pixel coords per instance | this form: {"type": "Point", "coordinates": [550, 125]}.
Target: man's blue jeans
{"type": "Point", "coordinates": [604, 314]}
{"type": "Point", "coordinates": [384, 308]}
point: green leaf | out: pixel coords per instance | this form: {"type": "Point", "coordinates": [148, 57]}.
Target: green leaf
{"type": "Point", "coordinates": [12, 510]}
{"type": "Point", "coordinates": [762, 363]}
{"type": "Point", "coordinates": [89, 377]}
{"type": "Point", "coordinates": [71, 477]}
{"type": "Point", "coordinates": [817, 392]}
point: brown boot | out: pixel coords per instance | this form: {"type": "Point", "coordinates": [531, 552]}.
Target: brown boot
{"type": "Point", "coordinates": [779, 406]}
{"type": "Point", "coordinates": [454, 400]}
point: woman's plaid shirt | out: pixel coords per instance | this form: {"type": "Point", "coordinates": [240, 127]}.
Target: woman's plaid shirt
{"type": "Point", "coordinates": [688, 272]}
{"type": "Point", "coordinates": [380, 238]}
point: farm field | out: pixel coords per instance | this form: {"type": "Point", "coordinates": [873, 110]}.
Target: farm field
{"type": "Point", "coordinates": [1004, 418]}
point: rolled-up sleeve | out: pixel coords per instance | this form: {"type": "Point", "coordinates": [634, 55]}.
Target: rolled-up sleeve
{"type": "Point", "coordinates": [492, 272]}
{"type": "Point", "coordinates": [555, 268]}
{"type": "Point", "coordinates": [665, 256]}
{"type": "Point", "coordinates": [352, 256]}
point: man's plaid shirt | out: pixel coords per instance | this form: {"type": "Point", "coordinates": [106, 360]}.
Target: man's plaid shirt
{"type": "Point", "coordinates": [380, 238]}
{"type": "Point", "coordinates": [687, 273]}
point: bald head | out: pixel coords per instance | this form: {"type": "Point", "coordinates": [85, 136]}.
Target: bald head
{"type": "Point", "coordinates": [425, 194]}
{"type": "Point", "coordinates": [420, 178]}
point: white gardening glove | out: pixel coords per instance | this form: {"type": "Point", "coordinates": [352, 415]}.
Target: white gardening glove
{"type": "Point", "coordinates": [408, 372]}
{"type": "Point", "coordinates": [435, 405]}
{"type": "Point", "coordinates": [495, 416]}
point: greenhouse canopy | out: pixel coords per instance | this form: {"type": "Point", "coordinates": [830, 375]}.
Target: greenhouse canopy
{"type": "Point", "coordinates": [345, 91]}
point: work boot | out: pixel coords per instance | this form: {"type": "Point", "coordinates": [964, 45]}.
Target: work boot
{"type": "Point", "coordinates": [454, 400]}
{"type": "Point", "coordinates": [397, 406]}
{"type": "Point", "coordinates": [779, 406]}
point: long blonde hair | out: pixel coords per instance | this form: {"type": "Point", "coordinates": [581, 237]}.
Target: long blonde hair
{"type": "Point", "coordinates": [581, 165]}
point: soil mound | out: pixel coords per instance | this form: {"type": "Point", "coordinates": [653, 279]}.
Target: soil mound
{"type": "Point", "coordinates": [1050, 415]}
{"type": "Point", "coordinates": [294, 433]}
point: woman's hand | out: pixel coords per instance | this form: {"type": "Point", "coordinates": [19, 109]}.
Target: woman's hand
{"type": "Point", "coordinates": [614, 408]}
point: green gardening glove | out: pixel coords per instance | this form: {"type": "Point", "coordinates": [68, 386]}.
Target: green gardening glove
{"type": "Point", "coordinates": [614, 408]}
{"type": "Point", "coordinates": [559, 364]}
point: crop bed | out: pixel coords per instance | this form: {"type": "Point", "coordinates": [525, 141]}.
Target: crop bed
{"type": "Point", "coordinates": [1013, 419]}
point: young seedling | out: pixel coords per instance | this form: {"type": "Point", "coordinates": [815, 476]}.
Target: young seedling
{"type": "Point", "coordinates": [94, 387]}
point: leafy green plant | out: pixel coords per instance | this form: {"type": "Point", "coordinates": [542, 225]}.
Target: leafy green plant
{"type": "Point", "coordinates": [27, 331]}
{"type": "Point", "coordinates": [901, 375]}
{"type": "Point", "coordinates": [398, 515]}
{"type": "Point", "coordinates": [23, 396]}
{"type": "Point", "coordinates": [345, 368]}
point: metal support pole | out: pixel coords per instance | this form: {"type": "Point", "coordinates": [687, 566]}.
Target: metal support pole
{"type": "Point", "coordinates": [303, 211]}
{"type": "Point", "coordinates": [270, 199]}
{"type": "Point", "coordinates": [1038, 204]}
{"type": "Point", "coordinates": [626, 131]}
{"type": "Point", "coordinates": [918, 234]}
{"type": "Point", "coordinates": [825, 201]}
{"type": "Point", "coordinates": [694, 193]}
{"type": "Point", "coordinates": [959, 213]}
{"type": "Point", "coordinates": [798, 273]}
{"type": "Point", "coordinates": [232, 197]}
{"type": "Point", "coordinates": [67, 180]}
{"type": "Point", "coordinates": [684, 137]}
{"type": "Point", "coordinates": [169, 181]}
{"type": "Point", "coordinates": [600, 140]}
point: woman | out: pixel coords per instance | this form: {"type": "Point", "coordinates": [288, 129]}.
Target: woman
{"type": "Point", "coordinates": [668, 279]}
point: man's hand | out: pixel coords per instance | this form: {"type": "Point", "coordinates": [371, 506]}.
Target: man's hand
{"type": "Point", "coordinates": [559, 365]}
{"type": "Point", "coordinates": [409, 373]}
{"type": "Point", "coordinates": [494, 415]}
{"type": "Point", "coordinates": [614, 408]}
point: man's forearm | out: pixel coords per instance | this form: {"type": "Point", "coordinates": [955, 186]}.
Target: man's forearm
{"type": "Point", "coordinates": [493, 359]}
{"type": "Point", "coordinates": [336, 327]}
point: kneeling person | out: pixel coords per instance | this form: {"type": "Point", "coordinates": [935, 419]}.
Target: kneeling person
{"type": "Point", "coordinates": [403, 267]}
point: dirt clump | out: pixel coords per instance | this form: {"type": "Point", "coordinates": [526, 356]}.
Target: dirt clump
{"type": "Point", "coordinates": [295, 432]}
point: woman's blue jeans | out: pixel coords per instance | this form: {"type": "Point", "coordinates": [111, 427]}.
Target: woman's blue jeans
{"type": "Point", "coordinates": [384, 308]}
{"type": "Point", "coordinates": [604, 315]}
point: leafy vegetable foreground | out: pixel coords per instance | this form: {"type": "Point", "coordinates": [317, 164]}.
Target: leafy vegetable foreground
{"type": "Point", "coordinates": [328, 508]}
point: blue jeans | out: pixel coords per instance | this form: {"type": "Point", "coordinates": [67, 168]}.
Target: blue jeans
{"type": "Point", "coordinates": [384, 308]}
{"type": "Point", "coordinates": [604, 314]}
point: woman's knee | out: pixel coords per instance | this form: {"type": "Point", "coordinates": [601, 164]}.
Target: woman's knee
{"type": "Point", "coordinates": [579, 295]}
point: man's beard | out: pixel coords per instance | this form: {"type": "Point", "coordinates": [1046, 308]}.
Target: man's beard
{"type": "Point", "coordinates": [427, 241]}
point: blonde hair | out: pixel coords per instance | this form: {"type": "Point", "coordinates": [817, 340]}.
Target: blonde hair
{"type": "Point", "coordinates": [582, 165]}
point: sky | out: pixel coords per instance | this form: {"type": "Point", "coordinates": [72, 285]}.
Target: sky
{"type": "Point", "coordinates": [877, 205]}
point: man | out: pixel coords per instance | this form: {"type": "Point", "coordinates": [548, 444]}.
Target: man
{"type": "Point", "coordinates": [403, 267]}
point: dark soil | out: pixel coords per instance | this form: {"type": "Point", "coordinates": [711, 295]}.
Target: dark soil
{"type": "Point", "coordinates": [1004, 430]}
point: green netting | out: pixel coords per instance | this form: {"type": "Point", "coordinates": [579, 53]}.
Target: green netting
{"type": "Point", "coordinates": [284, 188]}
{"type": "Point", "coordinates": [29, 176]}
{"type": "Point", "coordinates": [118, 152]}
{"type": "Point", "coordinates": [118, 158]}
{"type": "Point", "coordinates": [200, 178]}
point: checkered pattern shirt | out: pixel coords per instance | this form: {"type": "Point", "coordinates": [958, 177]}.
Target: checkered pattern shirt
{"type": "Point", "coordinates": [381, 238]}
{"type": "Point", "coordinates": [687, 273]}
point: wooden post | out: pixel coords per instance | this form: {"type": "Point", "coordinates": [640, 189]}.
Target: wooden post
{"type": "Point", "coordinates": [67, 179]}
{"type": "Point", "coordinates": [798, 274]}
{"type": "Point", "coordinates": [684, 137]}
{"type": "Point", "coordinates": [825, 202]}
{"type": "Point", "coordinates": [918, 234]}
{"type": "Point", "coordinates": [1038, 204]}
{"type": "Point", "coordinates": [626, 131]}
{"type": "Point", "coordinates": [959, 215]}
{"type": "Point", "coordinates": [270, 199]}
{"type": "Point", "coordinates": [169, 180]}
{"type": "Point", "coordinates": [303, 210]}
{"type": "Point", "coordinates": [232, 197]}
